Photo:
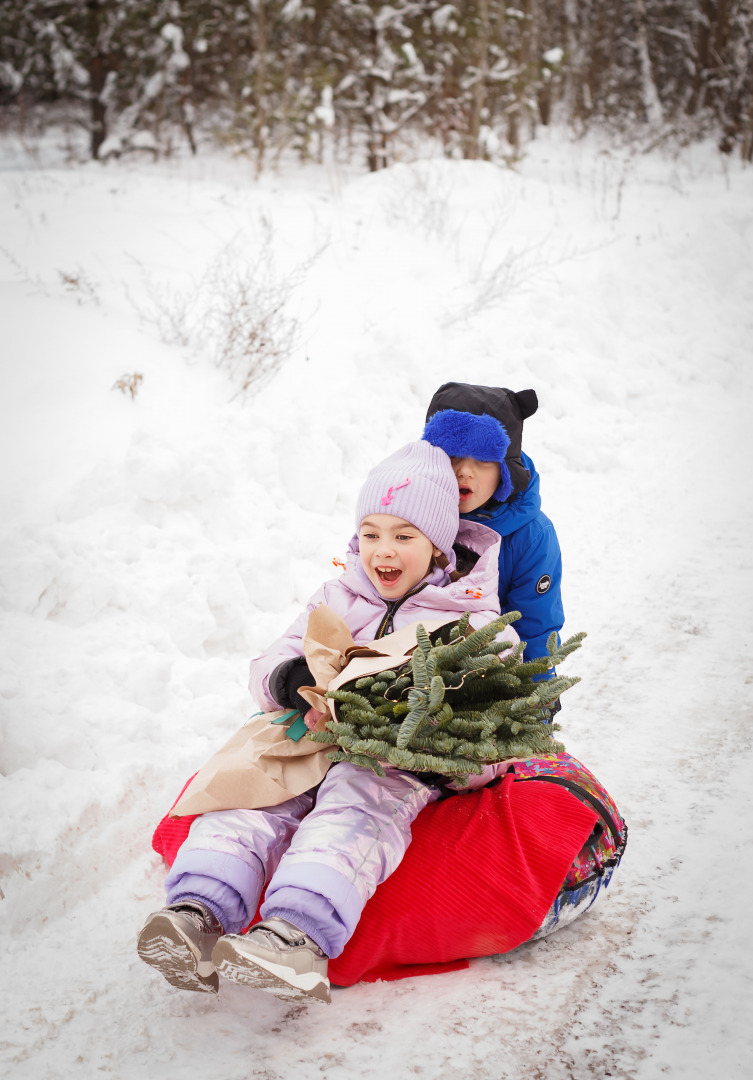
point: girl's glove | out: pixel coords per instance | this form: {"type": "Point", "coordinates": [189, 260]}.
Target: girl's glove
{"type": "Point", "coordinates": [285, 682]}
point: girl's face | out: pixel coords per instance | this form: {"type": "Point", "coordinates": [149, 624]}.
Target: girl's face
{"type": "Point", "coordinates": [477, 481]}
{"type": "Point", "coordinates": [395, 554]}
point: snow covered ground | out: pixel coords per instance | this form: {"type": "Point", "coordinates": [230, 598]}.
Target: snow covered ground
{"type": "Point", "coordinates": [151, 544]}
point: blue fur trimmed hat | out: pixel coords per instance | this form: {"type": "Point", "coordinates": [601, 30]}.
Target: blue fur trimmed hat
{"type": "Point", "coordinates": [462, 434]}
{"type": "Point", "coordinates": [485, 423]}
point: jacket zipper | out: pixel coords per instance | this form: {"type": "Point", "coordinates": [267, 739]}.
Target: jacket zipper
{"type": "Point", "coordinates": [385, 626]}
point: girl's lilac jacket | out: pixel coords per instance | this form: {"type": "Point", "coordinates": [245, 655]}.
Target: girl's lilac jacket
{"type": "Point", "coordinates": [359, 605]}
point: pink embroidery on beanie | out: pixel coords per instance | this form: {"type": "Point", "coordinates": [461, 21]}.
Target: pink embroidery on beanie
{"type": "Point", "coordinates": [387, 499]}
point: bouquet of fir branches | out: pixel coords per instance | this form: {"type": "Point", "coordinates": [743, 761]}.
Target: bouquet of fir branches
{"type": "Point", "coordinates": [464, 700]}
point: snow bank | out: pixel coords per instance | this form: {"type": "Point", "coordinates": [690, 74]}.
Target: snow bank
{"type": "Point", "coordinates": [151, 544]}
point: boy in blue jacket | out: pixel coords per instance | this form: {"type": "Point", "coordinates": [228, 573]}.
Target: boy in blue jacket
{"type": "Point", "coordinates": [481, 428]}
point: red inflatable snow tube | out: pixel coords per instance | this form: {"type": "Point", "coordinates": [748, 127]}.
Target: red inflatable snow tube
{"type": "Point", "coordinates": [480, 874]}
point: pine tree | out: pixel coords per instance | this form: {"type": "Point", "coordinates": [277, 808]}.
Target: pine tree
{"type": "Point", "coordinates": [462, 701]}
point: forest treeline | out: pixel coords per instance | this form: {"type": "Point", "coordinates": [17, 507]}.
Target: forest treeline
{"type": "Point", "coordinates": [477, 78]}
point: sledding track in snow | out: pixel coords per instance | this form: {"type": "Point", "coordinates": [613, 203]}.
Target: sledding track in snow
{"type": "Point", "coordinates": [150, 546]}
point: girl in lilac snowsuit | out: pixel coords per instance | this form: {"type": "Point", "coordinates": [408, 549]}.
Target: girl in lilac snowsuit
{"type": "Point", "coordinates": [322, 854]}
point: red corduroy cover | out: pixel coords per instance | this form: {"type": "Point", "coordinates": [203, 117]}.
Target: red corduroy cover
{"type": "Point", "coordinates": [172, 831]}
{"type": "Point", "coordinates": [480, 874]}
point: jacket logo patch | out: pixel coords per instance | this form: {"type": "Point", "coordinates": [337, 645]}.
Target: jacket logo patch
{"type": "Point", "coordinates": [543, 584]}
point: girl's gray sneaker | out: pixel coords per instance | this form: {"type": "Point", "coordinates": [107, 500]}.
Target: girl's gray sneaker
{"type": "Point", "coordinates": [275, 956]}
{"type": "Point", "coordinates": [178, 942]}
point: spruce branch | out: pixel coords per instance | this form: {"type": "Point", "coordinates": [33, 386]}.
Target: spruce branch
{"type": "Point", "coordinates": [463, 701]}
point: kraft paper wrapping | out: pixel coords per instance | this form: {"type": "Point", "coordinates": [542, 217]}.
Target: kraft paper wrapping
{"type": "Point", "coordinates": [259, 765]}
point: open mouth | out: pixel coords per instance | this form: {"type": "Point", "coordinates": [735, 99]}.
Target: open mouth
{"type": "Point", "coordinates": [465, 492]}
{"type": "Point", "coordinates": [388, 574]}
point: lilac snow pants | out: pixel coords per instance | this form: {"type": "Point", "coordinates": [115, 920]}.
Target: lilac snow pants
{"type": "Point", "coordinates": [320, 861]}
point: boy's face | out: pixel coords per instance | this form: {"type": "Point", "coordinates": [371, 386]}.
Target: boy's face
{"type": "Point", "coordinates": [477, 481]}
{"type": "Point", "coordinates": [395, 555]}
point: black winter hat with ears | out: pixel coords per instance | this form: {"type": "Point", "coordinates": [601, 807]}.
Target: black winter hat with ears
{"type": "Point", "coordinates": [508, 407]}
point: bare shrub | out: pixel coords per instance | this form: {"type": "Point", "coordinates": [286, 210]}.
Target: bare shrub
{"type": "Point", "coordinates": [24, 274]}
{"type": "Point", "coordinates": [420, 198]}
{"type": "Point", "coordinates": [129, 384]}
{"type": "Point", "coordinates": [237, 313]}
{"type": "Point", "coordinates": [492, 281]}
{"type": "Point", "coordinates": [78, 283]}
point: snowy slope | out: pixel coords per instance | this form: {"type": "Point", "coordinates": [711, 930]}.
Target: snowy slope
{"type": "Point", "coordinates": [151, 545]}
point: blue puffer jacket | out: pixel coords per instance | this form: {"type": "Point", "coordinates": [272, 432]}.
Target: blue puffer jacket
{"type": "Point", "coordinates": [530, 564]}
